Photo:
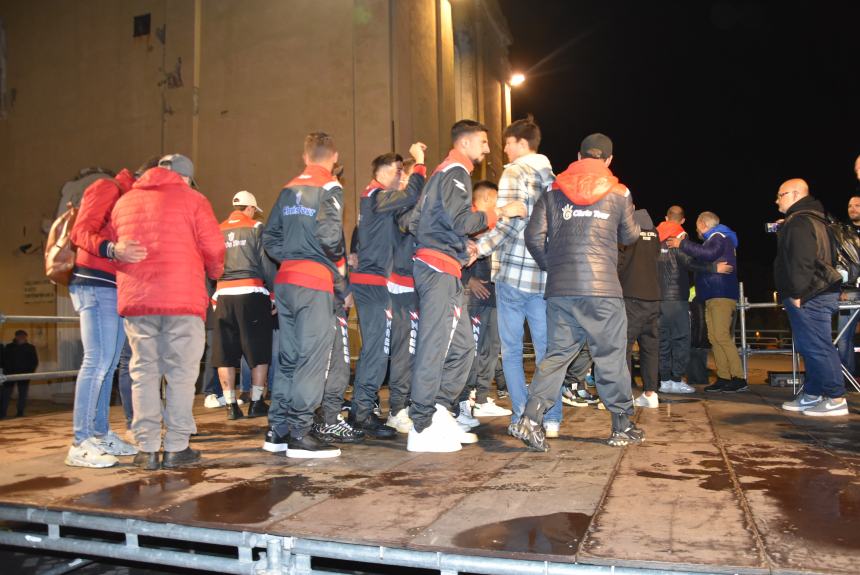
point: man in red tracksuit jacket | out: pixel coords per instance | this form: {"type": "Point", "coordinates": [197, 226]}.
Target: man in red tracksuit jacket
{"type": "Point", "coordinates": [446, 347]}
{"type": "Point", "coordinates": [304, 233]}
{"type": "Point", "coordinates": [163, 299]}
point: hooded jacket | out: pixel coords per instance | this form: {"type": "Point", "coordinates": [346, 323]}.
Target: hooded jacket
{"type": "Point", "coordinates": [720, 245]}
{"type": "Point", "coordinates": [802, 252]}
{"type": "Point", "coordinates": [90, 229]}
{"type": "Point", "coordinates": [674, 266]}
{"type": "Point", "coordinates": [575, 228]}
{"type": "Point", "coordinates": [178, 228]}
{"type": "Point", "coordinates": [637, 263]}
{"type": "Point", "coordinates": [247, 267]}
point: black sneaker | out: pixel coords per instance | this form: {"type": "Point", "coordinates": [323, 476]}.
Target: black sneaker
{"type": "Point", "coordinates": [340, 432]}
{"type": "Point", "coordinates": [274, 443]}
{"type": "Point", "coordinates": [234, 411]}
{"type": "Point", "coordinates": [310, 447]}
{"type": "Point", "coordinates": [578, 397]}
{"type": "Point", "coordinates": [258, 408]}
{"type": "Point", "coordinates": [174, 459]}
{"type": "Point", "coordinates": [372, 427]}
{"type": "Point", "coordinates": [502, 393]}
{"type": "Point", "coordinates": [631, 435]}
{"type": "Point", "coordinates": [531, 433]}
{"type": "Point", "coordinates": [148, 460]}
{"type": "Point", "coordinates": [736, 385]}
{"type": "Point", "coordinates": [717, 385]}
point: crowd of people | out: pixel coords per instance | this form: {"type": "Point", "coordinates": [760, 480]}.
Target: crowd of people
{"type": "Point", "coordinates": [444, 274]}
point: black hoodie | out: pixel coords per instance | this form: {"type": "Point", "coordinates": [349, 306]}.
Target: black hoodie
{"type": "Point", "coordinates": [637, 263]}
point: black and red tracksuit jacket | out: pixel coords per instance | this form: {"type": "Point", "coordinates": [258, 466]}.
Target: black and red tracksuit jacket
{"type": "Point", "coordinates": [305, 230]}
{"type": "Point", "coordinates": [378, 232]}
{"type": "Point", "coordinates": [445, 219]}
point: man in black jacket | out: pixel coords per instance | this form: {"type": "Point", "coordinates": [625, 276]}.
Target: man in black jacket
{"type": "Point", "coordinates": [573, 234]}
{"type": "Point", "coordinates": [19, 356]}
{"type": "Point", "coordinates": [808, 287]}
{"type": "Point", "coordinates": [637, 270]}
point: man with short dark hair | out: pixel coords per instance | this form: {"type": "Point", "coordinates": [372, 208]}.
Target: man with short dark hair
{"type": "Point", "coordinates": [720, 292]}
{"type": "Point", "coordinates": [808, 287]}
{"type": "Point", "coordinates": [19, 356]}
{"type": "Point", "coordinates": [846, 325]}
{"type": "Point", "coordinates": [304, 233]}
{"type": "Point", "coordinates": [242, 314]}
{"type": "Point", "coordinates": [442, 225]}
{"type": "Point", "coordinates": [382, 202]}
{"type": "Point", "coordinates": [519, 280]}
{"type": "Point", "coordinates": [573, 234]}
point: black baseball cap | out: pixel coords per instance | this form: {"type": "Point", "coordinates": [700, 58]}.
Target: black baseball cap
{"type": "Point", "coordinates": [597, 146]}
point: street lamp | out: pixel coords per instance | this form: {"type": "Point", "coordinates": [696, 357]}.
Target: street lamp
{"type": "Point", "coordinates": [517, 79]}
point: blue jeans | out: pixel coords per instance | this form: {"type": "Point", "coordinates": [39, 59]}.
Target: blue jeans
{"type": "Point", "coordinates": [514, 307]}
{"type": "Point", "coordinates": [102, 336]}
{"type": "Point", "coordinates": [845, 344]}
{"type": "Point", "coordinates": [124, 383]}
{"type": "Point", "coordinates": [811, 326]}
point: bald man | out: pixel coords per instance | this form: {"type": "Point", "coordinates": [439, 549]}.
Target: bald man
{"type": "Point", "coordinates": [809, 292]}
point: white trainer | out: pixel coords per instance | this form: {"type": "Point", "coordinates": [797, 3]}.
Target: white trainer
{"type": "Point", "coordinates": [489, 409]}
{"type": "Point", "coordinates": [643, 400]}
{"type": "Point", "coordinates": [682, 387]}
{"type": "Point", "coordinates": [212, 401]}
{"type": "Point", "coordinates": [667, 386]}
{"type": "Point", "coordinates": [112, 444]}
{"type": "Point", "coordinates": [400, 421]}
{"type": "Point", "coordinates": [457, 429]}
{"type": "Point", "coordinates": [89, 454]}
{"type": "Point", "coordinates": [465, 416]}
{"type": "Point", "coordinates": [551, 428]}
{"type": "Point", "coordinates": [438, 438]}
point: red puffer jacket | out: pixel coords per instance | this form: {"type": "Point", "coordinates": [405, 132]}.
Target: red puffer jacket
{"type": "Point", "coordinates": [90, 226]}
{"type": "Point", "coordinates": [178, 228]}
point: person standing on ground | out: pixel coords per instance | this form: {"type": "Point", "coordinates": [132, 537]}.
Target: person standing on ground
{"type": "Point", "coordinates": [573, 234]}
{"type": "Point", "coordinates": [163, 299]}
{"type": "Point", "coordinates": [851, 294]}
{"type": "Point", "coordinates": [19, 356]}
{"type": "Point", "coordinates": [808, 287]}
{"type": "Point", "coordinates": [720, 293]}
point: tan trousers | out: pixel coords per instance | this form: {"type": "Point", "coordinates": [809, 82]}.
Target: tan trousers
{"type": "Point", "coordinates": [169, 346]}
{"type": "Point", "coordinates": [719, 313]}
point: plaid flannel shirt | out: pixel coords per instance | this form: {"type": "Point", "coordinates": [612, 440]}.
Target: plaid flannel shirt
{"type": "Point", "coordinates": [512, 262]}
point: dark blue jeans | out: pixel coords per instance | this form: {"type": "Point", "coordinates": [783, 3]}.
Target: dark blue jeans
{"type": "Point", "coordinates": [811, 328]}
{"type": "Point", "coordinates": [845, 345]}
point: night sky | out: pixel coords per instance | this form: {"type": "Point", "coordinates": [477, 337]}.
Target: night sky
{"type": "Point", "coordinates": [710, 105]}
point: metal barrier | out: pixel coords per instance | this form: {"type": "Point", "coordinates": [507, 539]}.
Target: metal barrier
{"type": "Point", "coordinates": [41, 375]}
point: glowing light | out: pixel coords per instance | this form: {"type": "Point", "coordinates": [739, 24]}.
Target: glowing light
{"type": "Point", "coordinates": [517, 79]}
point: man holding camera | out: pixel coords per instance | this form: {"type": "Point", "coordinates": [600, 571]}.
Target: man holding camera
{"type": "Point", "coordinates": [809, 290]}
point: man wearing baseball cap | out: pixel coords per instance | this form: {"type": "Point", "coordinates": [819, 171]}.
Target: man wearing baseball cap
{"type": "Point", "coordinates": [242, 306]}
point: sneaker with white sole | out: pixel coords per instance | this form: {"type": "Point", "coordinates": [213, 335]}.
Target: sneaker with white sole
{"type": "Point", "coordinates": [212, 401]}
{"type": "Point", "coordinates": [400, 421]}
{"type": "Point", "coordinates": [667, 386]}
{"type": "Point", "coordinates": [551, 429]}
{"type": "Point", "coordinates": [652, 402]}
{"type": "Point", "coordinates": [682, 387]}
{"type": "Point", "coordinates": [437, 438]}
{"type": "Point", "coordinates": [112, 444]}
{"type": "Point", "coordinates": [459, 430]}
{"type": "Point", "coordinates": [89, 454]}
{"type": "Point", "coordinates": [489, 409]}
{"type": "Point", "coordinates": [828, 407]}
{"type": "Point", "coordinates": [465, 416]}
{"type": "Point", "coordinates": [802, 402]}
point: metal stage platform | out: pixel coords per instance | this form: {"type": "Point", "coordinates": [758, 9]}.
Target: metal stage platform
{"type": "Point", "coordinates": [724, 484]}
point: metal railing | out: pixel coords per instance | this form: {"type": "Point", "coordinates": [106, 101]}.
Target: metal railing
{"type": "Point", "coordinates": [41, 375]}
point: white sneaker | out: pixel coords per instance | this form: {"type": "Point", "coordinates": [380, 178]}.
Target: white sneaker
{"type": "Point", "coordinates": [112, 444]}
{"type": "Point", "coordinates": [89, 454]}
{"type": "Point", "coordinates": [682, 387]}
{"type": "Point", "coordinates": [644, 401]}
{"type": "Point", "coordinates": [465, 416]}
{"type": "Point", "coordinates": [551, 428]}
{"type": "Point", "coordinates": [667, 386]}
{"type": "Point", "coordinates": [437, 438]}
{"type": "Point", "coordinates": [212, 401]}
{"type": "Point", "coordinates": [400, 421]}
{"type": "Point", "coordinates": [489, 409]}
{"type": "Point", "coordinates": [457, 429]}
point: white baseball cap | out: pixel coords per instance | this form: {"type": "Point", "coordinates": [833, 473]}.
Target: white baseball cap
{"type": "Point", "coordinates": [245, 198]}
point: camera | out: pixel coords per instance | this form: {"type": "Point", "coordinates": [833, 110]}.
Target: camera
{"type": "Point", "coordinates": [771, 227]}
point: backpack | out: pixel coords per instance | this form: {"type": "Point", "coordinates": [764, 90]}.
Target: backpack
{"type": "Point", "coordinates": [59, 251]}
{"type": "Point", "coordinates": [844, 246]}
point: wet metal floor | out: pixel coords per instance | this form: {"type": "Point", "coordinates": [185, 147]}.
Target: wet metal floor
{"type": "Point", "coordinates": [728, 484]}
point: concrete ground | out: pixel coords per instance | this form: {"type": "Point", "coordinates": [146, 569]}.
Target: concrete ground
{"type": "Point", "coordinates": [723, 483]}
